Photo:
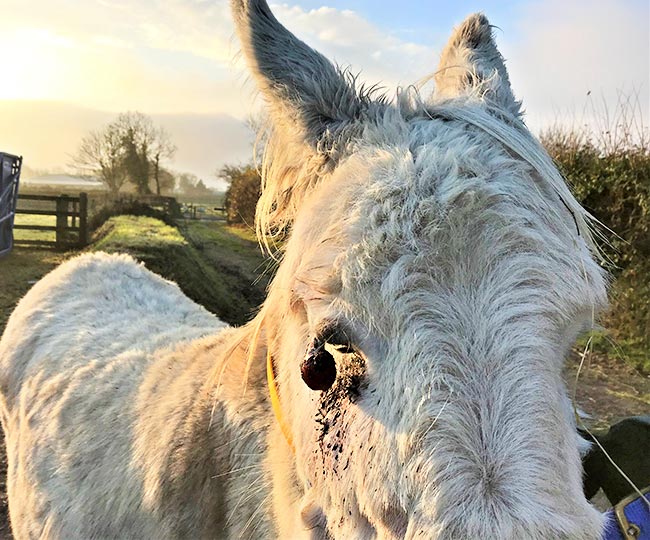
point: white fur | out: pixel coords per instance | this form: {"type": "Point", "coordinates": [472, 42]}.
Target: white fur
{"type": "Point", "coordinates": [436, 233]}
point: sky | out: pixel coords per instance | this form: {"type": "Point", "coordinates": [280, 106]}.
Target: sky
{"type": "Point", "coordinates": [69, 66]}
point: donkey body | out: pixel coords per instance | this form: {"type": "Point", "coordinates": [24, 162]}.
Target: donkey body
{"type": "Point", "coordinates": [436, 262]}
{"type": "Point", "coordinates": [111, 427]}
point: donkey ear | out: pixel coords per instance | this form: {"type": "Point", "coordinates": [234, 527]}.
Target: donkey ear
{"type": "Point", "coordinates": [470, 62]}
{"type": "Point", "coordinates": [303, 89]}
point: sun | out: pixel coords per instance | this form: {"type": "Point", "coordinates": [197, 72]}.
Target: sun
{"type": "Point", "coordinates": [36, 64]}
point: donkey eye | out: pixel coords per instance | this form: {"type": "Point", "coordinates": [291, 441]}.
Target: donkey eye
{"type": "Point", "coordinates": [339, 339]}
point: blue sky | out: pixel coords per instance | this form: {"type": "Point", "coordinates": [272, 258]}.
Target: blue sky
{"type": "Point", "coordinates": [86, 61]}
{"type": "Point", "coordinates": [418, 20]}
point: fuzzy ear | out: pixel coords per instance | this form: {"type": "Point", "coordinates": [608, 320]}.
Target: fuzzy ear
{"type": "Point", "coordinates": [304, 90]}
{"type": "Point", "coordinates": [470, 62]}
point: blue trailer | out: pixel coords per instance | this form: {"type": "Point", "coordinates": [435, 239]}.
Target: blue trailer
{"type": "Point", "coordinates": [9, 178]}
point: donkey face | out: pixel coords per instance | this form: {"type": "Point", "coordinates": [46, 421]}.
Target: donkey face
{"type": "Point", "coordinates": [439, 260]}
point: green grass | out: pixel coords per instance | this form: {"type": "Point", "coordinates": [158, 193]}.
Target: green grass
{"type": "Point", "coordinates": [245, 233]}
{"type": "Point", "coordinates": [220, 235]}
{"type": "Point", "coordinates": [136, 233]}
{"type": "Point", "coordinates": [205, 206]}
{"type": "Point", "coordinates": [245, 267]}
{"type": "Point", "coordinates": [28, 219]}
{"type": "Point", "coordinates": [632, 351]}
{"type": "Point", "coordinates": [208, 200]}
{"type": "Point", "coordinates": [18, 272]}
{"type": "Point", "coordinates": [212, 263]}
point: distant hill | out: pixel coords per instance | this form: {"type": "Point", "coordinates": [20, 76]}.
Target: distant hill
{"type": "Point", "coordinates": [47, 135]}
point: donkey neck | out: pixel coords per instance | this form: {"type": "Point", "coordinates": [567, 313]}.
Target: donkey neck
{"type": "Point", "coordinates": [202, 439]}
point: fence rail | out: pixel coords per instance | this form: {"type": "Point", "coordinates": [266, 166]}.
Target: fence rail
{"type": "Point", "coordinates": [71, 215]}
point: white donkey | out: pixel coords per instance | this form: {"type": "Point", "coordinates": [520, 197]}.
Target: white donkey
{"type": "Point", "coordinates": [403, 378]}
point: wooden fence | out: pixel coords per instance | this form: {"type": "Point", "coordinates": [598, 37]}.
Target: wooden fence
{"type": "Point", "coordinates": [168, 205]}
{"type": "Point", "coordinates": [203, 211]}
{"type": "Point", "coordinates": [71, 219]}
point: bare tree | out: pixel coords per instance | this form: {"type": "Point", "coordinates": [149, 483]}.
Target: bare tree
{"type": "Point", "coordinates": [102, 152]}
{"type": "Point", "coordinates": [129, 148]}
{"type": "Point", "coordinates": [147, 146]}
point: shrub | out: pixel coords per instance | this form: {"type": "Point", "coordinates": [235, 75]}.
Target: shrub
{"type": "Point", "coordinates": [609, 169]}
{"type": "Point", "coordinates": [125, 206]}
{"type": "Point", "coordinates": [242, 194]}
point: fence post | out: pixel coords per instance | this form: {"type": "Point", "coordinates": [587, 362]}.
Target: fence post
{"type": "Point", "coordinates": [75, 211]}
{"type": "Point", "coordinates": [174, 207]}
{"type": "Point", "coordinates": [83, 219]}
{"type": "Point", "coordinates": [61, 220]}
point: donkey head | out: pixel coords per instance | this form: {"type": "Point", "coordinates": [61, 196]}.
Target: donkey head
{"type": "Point", "coordinates": [436, 273]}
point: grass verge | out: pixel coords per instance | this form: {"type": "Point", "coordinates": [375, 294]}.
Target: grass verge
{"type": "Point", "coordinates": [18, 272]}
{"type": "Point", "coordinates": [211, 263]}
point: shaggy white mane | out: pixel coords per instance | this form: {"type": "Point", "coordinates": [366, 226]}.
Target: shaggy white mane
{"type": "Point", "coordinates": [291, 169]}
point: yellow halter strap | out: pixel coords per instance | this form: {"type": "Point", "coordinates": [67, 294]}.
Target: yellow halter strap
{"type": "Point", "coordinates": [275, 401]}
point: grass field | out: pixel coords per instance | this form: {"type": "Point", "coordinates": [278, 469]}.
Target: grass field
{"type": "Point", "coordinates": [28, 219]}
{"type": "Point", "coordinates": [19, 271]}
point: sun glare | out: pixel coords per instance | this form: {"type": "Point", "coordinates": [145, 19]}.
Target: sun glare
{"type": "Point", "coordinates": [37, 63]}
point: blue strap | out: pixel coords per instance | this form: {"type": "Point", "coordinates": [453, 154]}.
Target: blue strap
{"type": "Point", "coordinates": [634, 520]}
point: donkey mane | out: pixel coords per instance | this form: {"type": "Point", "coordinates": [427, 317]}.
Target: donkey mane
{"type": "Point", "coordinates": [290, 169]}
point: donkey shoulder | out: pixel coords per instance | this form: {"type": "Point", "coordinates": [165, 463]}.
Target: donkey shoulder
{"type": "Point", "coordinates": [88, 357]}
{"type": "Point", "coordinates": [94, 308]}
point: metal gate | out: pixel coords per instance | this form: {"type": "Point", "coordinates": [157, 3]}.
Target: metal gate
{"type": "Point", "coordinates": [9, 177]}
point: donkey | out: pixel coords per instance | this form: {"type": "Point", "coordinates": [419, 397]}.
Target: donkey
{"type": "Point", "coordinates": [403, 377]}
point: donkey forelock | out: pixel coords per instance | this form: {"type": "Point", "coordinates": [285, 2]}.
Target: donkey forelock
{"type": "Point", "coordinates": [438, 237]}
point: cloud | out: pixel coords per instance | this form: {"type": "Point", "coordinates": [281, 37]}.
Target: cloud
{"type": "Point", "coordinates": [346, 37]}
{"type": "Point", "coordinates": [565, 50]}
{"type": "Point", "coordinates": [171, 59]}
{"type": "Point", "coordinates": [168, 56]}
{"type": "Point", "coordinates": [176, 57]}
{"type": "Point", "coordinates": [200, 27]}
